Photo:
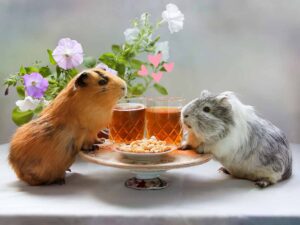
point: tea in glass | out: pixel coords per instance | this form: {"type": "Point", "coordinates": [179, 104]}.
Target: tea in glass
{"type": "Point", "coordinates": [163, 119]}
{"type": "Point", "coordinates": [128, 121]}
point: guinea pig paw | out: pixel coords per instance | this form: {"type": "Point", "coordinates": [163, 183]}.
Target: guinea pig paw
{"type": "Point", "coordinates": [100, 141]}
{"type": "Point", "coordinates": [95, 147]}
{"type": "Point", "coordinates": [263, 183]}
{"type": "Point", "coordinates": [90, 148]}
{"type": "Point", "coordinates": [224, 170]}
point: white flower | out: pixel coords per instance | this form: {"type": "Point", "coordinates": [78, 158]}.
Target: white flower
{"type": "Point", "coordinates": [131, 34]}
{"type": "Point", "coordinates": [174, 17]}
{"type": "Point", "coordinates": [163, 47]}
{"type": "Point", "coordinates": [30, 103]}
{"type": "Point", "coordinates": [27, 104]}
{"type": "Point", "coordinates": [45, 102]}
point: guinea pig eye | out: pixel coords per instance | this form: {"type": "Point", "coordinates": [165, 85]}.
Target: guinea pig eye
{"type": "Point", "coordinates": [103, 81]}
{"type": "Point", "coordinates": [206, 109]}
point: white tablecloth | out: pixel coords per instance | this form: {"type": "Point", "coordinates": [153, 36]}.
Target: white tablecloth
{"type": "Point", "coordinates": [95, 194]}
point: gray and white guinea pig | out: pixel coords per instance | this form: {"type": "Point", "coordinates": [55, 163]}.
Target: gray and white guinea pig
{"type": "Point", "coordinates": [248, 146]}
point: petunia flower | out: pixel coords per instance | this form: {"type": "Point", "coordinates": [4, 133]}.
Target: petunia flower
{"type": "Point", "coordinates": [173, 17]}
{"type": "Point", "coordinates": [163, 47]}
{"type": "Point", "coordinates": [45, 102]}
{"type": "Point", "coordinates": [106, 68]}
{"type": "Point", "coordinates": [28, 103]}
{"type": "Point", "coordinates": [131, 34]}
{"type": "Point", "coordinates": [68, 53]}
{"type": "Point", "coordinates": [35, 85]}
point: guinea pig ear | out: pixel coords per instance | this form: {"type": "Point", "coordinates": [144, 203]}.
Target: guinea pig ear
{"type": "Point", "coordinates": [81, 80]}
{"type": "Point", "coordinates": [228, 94]}
{"type": "Point", "coordinates": [224, 101]}
{"type": "Point", "coordinates": [205, 94]}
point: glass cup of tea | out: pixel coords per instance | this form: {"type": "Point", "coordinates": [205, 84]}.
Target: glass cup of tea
{"type": "Point", "coordinates": [163, 119]}
{"type": "Point", "coordinates": [128, 120]}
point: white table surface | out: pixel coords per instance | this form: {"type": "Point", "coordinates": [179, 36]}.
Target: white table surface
{"type": "Point", "coordinates": [95, 194]}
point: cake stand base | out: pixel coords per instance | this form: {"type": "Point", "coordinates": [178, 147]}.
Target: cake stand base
{"type": "Point", "coordinates": [146, 184]}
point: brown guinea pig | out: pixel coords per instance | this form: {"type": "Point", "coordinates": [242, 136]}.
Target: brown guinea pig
{"type": "Point", "coordinates": [43, 149]}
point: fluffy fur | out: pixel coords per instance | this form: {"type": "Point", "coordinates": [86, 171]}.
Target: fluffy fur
{"type": "Point", "coordinates": [43, 149]}
{"type": "Point", "coordinates": [246, 145]}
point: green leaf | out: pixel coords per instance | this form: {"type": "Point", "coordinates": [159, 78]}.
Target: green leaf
{"type": "Point", "coordinates": [12, 80]}
{"type": "Point", "coordinates": [22, 70]}
{"type": "Point", "coordinates": [121, 69]}
{"type": "Point", "coordinates": [21, 91]}
{"type": "Point", "coordinates": [51, 59]}
{"type": "Point", "coordinates": [116, 49]}
{"type": "Point", "coordinates": [31, 69]}
{"type": "Point", "coordinates": [89, 62]}
{"type": "Point", "coordinates": [58, 71]}
{"type": "Point", "coordinates": [38, 109]}
{"type": "Point", "coordinates": [129, 54]}
{"type": "Point", "coordinates": [20, 117]}
{"type": "Point", "coordinates": [162, 69]}
{"type": "Point", "coordinates": [45, 71]}
{"type": "Point", "coordinates": [107, 56]}
{"type": "Point", "coordinates": [152, 43]}
{"type": "Point", "coordinates": [52, 92]}
{"type": "Point", "coordinates": [132, 76]}
{"type": "Point", "coordinates": [161, 89]}
{"type": "Point", "coordinates": [137, 90]}
{"type": "Point", "coordinates": [109, 59]}
{"type": "Point", "coordinates": [52, 81]}
{"type": "Point", "coordinates": [72, 72]}
{"type": "Point", "coordinates": [122, 60]}
{"type": "Point", "coordinates": [136, 64]}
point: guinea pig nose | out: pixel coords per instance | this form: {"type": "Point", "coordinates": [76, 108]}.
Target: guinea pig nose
{"type": "Point", "coordinates": [186, 116]}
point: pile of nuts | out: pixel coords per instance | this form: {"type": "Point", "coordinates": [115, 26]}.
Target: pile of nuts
{"type": "Point", "coordinates": [151, 145]}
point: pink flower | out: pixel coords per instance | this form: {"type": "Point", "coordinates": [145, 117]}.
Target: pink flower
{"type": "Point", "coordinates": [156, 76]}
{"type": "Point", "coordinates": [155, 59]}
{"type": "Point", "coordinates": [68, 54]}
{"type": "Point", "coordinates": [143, 71]}
{"type": "Point", "coordinates": [168, 66]}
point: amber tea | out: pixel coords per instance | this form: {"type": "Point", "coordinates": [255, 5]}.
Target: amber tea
{"type": "Point", "coordinates": [163, 119]}
{"type": "Point", "coordinates": [128, 123]}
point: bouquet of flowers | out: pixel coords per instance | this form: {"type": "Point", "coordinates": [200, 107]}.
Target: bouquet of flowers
{"type": "Point", "coordinates": [38, 84]}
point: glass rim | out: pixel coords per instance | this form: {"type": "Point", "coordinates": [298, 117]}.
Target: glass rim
{"type": "Point", "coordinates": [133, 97]}
{"type": "Point", "coordinates": [138, 98]}
{"type": "Point", "coordinates": [166, 99]}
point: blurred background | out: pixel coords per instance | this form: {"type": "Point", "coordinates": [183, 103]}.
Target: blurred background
{"type": "Point", "coordinates": [251, 47]}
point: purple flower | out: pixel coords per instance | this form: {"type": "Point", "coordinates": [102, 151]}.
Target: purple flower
{"type": "Point", "coordinates": [68, 54]}
{"type": "Point", "coordinates": [35, 85]}
{"type": "Point", "coordinates": [106, 68]}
